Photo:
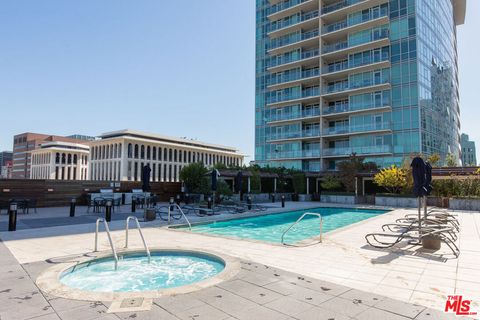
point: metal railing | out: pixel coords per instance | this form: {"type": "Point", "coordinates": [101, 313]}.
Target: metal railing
{"type": "Point", "coordinates": [107, 230]}
{"type": "Point", "coordinates": [299, 219]}
{"type": "Point", "coordinates": [181, 211]}
{"type": "Point", "coordinates": [139, 231]}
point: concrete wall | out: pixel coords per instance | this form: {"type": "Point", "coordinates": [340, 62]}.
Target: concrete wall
{"type": "Point", "coordinates": [332, 198]}
{"type": "Point", "coordinates": [396, 202]}
{"type": "Point", "coordinates": [464, 204]}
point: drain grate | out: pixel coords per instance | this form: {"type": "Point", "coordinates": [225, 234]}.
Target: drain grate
{"type": "Point", "coordinates": [131, 303]}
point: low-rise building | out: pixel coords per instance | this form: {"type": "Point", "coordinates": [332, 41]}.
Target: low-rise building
{"type": "Point", "coordinates": [6, 170]}
{"type": "Point", "coordinates": [121, 156]}
{"type": "Point", "coordinates": [60, 160]}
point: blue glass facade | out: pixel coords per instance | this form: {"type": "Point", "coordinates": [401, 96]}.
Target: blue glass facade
{"type": "Point", "coordinates": [376, 78]}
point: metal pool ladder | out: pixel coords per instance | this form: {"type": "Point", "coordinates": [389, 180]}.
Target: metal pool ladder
{"type": "Point", "coordinates": [181, 211]}
{"type": "Point", "coordinates": [107, 230]}
{"type": "Point", "coordinates": [299, 219]}
{"type": "Point", "coordinates": [139, 231]}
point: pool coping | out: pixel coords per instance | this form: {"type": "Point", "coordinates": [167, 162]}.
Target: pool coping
{"type": "Point", "coordinates": [305, 242]}
{"type": "Point", "coordinates": [49, 280]}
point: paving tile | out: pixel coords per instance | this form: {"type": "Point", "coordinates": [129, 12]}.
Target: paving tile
{"type": "Point", "coordinates": [346, 307]}
{"type": "Point", "coordinates": [399, 307]}
{"type": "Point", "coordinates": [282, 287]}
{"type": "Point", "coordinates": [260, 313]}
{"type": "Point", "coordinates": [377, 314]}
{"type": "Point", "coordinates": [431, 314]}
{"type": "Point", "coordinates": [317, 313]}
{"type": "Point", "coordinates": [60, 304]}
{"type": "Point", "coordinates": [204, 312]}
{"type": "Point", "coordinates": [176, 304]}
{"type": "Point", "coordinates": [370, 299]}
{"type": "Point", "coordinates": [310, 296]}
{"type": "Point", "coordinates": [259, 279]}
{"type": "Point", "coordinates": [154, 314]}
{"type": "Point", "coordinates": [289, 306]}
{"type": "Point", "coordinates": [233, 305]}
{"type": "Point", "coordinates": [50, 316]}
{"type": "Point", "coordinates": [89, 312]}
{"type": "Point", "coordinates": [250, 291]}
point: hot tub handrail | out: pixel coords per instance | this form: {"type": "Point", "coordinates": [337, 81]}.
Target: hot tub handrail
{"type": "Point", "coordinates": [139, 231]}
{"type": "Point", "coordinates": [181, 211]}
{"type": "Point", "coordinates": [301, 217]}
{"type": "Point", "coordinates": [107, 230]}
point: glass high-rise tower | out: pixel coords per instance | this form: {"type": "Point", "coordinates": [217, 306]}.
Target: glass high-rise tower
{"type": "Point", "coordinates": [377, 78]}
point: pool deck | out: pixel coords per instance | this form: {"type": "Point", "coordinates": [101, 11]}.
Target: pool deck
{"type": "Point", "coordinates": [401, 276]}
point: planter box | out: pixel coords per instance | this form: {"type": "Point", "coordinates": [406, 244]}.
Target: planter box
{"type": "Point", "coordinates": [333, 198]}
{"type": "Point", "coordinates": [304, 197]}
{"type": "Point", "coordinates": [464, 204]}
{"type": "Point", "coordinates": [405, 202]}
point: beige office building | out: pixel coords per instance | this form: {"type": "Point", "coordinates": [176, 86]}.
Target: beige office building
{"type": "Point", "coordinates": [60, 160]}
{"type": "Point", "coordinates": [121, 155]}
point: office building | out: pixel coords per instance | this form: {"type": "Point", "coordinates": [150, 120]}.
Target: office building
{"type": "Point", "coordinates": [121, 156]}
{"type": "Point", "coordinates": [60, 160]}
{"type": "Point", "coordinates": [469, 153]}
{"type": "Point", "coordinates": [377, 78]}
{"type": "Point", "coordinates": [24, 144]}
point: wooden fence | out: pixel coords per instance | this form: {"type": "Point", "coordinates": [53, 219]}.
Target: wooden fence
{"type": "Point", "coordinates": [51, 193]}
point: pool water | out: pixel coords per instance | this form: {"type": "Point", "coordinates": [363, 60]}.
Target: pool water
{"type": "Point", "coordinates": [135, 273]}
{"type": "Point", "coordinates": [270, 228]}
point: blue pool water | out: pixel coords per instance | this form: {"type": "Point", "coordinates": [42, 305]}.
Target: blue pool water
{"type": "Point", "coordinates": [165, 270]}
{"type": "Point", "coordinates": [270, 228]}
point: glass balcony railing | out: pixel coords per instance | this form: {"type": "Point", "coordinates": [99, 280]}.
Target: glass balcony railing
{"type": "Point", "coordinates": [283, 6]}
{"type": "Point", "coordinates": [346, 151]}
{"type": "Point", "coordinates": [294, 76]}
{"type": "Point", "coordinates": [359, 128]}
{"type": "Point", "coordinates": [280, 24]}
{"type": "Point", "coordinates": [291, 39]}
{"type": "Point", "coordinates": [349, 64]}
{"type": "Point", "coordinates": [348, 107]}
{"type": "Point", "coordinates": [312, 166]}
{"type": "Point", "coordinates": [344, 44]}
{"type": "Point", "coordinates": [309, 92]}
{"type": "Point", "coordinates": [293, 115]}
{"type": "Point", "coordinates": [348, 85]}
{"type": "Point", "coordinates": [284, 59]}
{"type": "Point", "coordinates": [294, 154]}
{"type": "Point", "coordinates": [370, 15]}
{"type": "Point", "coordinates": [339, 5]}
{"type": "Point", "coordinates": [294, 134]}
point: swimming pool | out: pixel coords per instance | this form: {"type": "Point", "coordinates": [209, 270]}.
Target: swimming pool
{"type": "Point", "coordinates": [135, 273]}
{"type": "Point", "coordinates": [270, 227]}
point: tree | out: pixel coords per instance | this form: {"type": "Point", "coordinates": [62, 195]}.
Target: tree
{"type": "Point", "coordinates": [433, 159]}
{"type": "Point", "coordinates": [349, 169]}
{"type": "Point", "coordinates": [255, 182]}
{"type": "Point", "coordinates": [223, 188]}
{"type": "Point", "coordinates": [194, 178]}
{"type": "Point", "coordinates": [451, 160]}
{"type": "Point", "coordinates": [331, 183]}
{"type": "Point", "coordinates": [393, 179]}
{"type": "Point", "coordinates": [299, 182]}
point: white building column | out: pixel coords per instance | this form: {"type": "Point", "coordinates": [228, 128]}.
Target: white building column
{"type": "Point", "coordinates": [308, 185]}
{"type": "Point", "coordinates": [248, 185]}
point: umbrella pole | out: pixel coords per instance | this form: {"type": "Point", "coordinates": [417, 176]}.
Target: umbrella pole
{"type": "Point", "coordinates": [424, 207]}
{"type": "Point", "coordinates": [419, 220]}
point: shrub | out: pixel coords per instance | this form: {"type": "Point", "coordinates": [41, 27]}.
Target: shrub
{"type": "Point", "coordinates": [393, 179]}
{"type": "Point", "coordinates": [331, 183]}
{"type": "Point", "coordinates": [255, 182]}
{"type": "Point", "coordinates": [349, 169]}
{"type": "Point", "coordinates": [193, 175]}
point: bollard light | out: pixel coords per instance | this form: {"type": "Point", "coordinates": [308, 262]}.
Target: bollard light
{"type": "Point", "coordinates": [283, 201]}
{"type": "Point", "coordinates": [178, 199]}
{"type": "Point", "coordinates": [108, 211]}
{"type": "Point", "coordinates": [249, 203]}
{"type": "Point", "coordinates": [134, 205]}
{"type": "Point", "coordinates": [12, 217]}
{"type": "Point", "coordinates": [209, 204]}
{"type": "Point", "coordinates": [72, 207]}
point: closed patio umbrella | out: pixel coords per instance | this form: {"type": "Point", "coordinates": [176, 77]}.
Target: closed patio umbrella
{"type": "Point", "coordinates": [419, 180]}
{"type": "Point", "coordinates": [146, 178]}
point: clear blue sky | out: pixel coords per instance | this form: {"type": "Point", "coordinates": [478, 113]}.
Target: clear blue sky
{"type": "Point", "coordinates": [180, 68]}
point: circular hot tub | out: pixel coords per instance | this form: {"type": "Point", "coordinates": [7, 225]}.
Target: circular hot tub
{"type": "Point", "coordinates": [166, 272]}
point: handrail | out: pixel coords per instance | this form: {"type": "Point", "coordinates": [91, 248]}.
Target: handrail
{"type": "Point", "coordinates": [141, 235]}
{"type": "Point", "coordinates": [114, 251]}
{"type": "Point", "coordinates": [181, 211]}
{"type": "Point", "coordinates": [302, 216]}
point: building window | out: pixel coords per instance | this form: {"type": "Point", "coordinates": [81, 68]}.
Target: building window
{"type": "Point", "coordinates": [136, 151]}
{"type": "Point", "coordinates": [154, 153]}
{"type": "Point", "coordinates": [170, 155]}
{"type": "Point", "coordinates": [142, 152]}
{"type": "Point", "coordinates": [148, 152]}
{"type": "Point", "coordinates": [129, 151]}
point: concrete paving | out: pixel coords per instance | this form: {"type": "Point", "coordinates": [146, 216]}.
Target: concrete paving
{"type": "Point", "coordinates": [257, 292]}
{"type": "Point", "coordinates": [406, 274]}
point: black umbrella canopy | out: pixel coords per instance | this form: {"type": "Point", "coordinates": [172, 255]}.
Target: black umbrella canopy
{"type": "Point", "coordinates": [146, 178]}
{"type": "Point", "coordinates": [215, 175]}
{"type": "Point", "coordinates": [239, 181]}
{"type": "Point", "coordinates": [419, 178]}
{"type": "Point", "coordinates": [428, 178]}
